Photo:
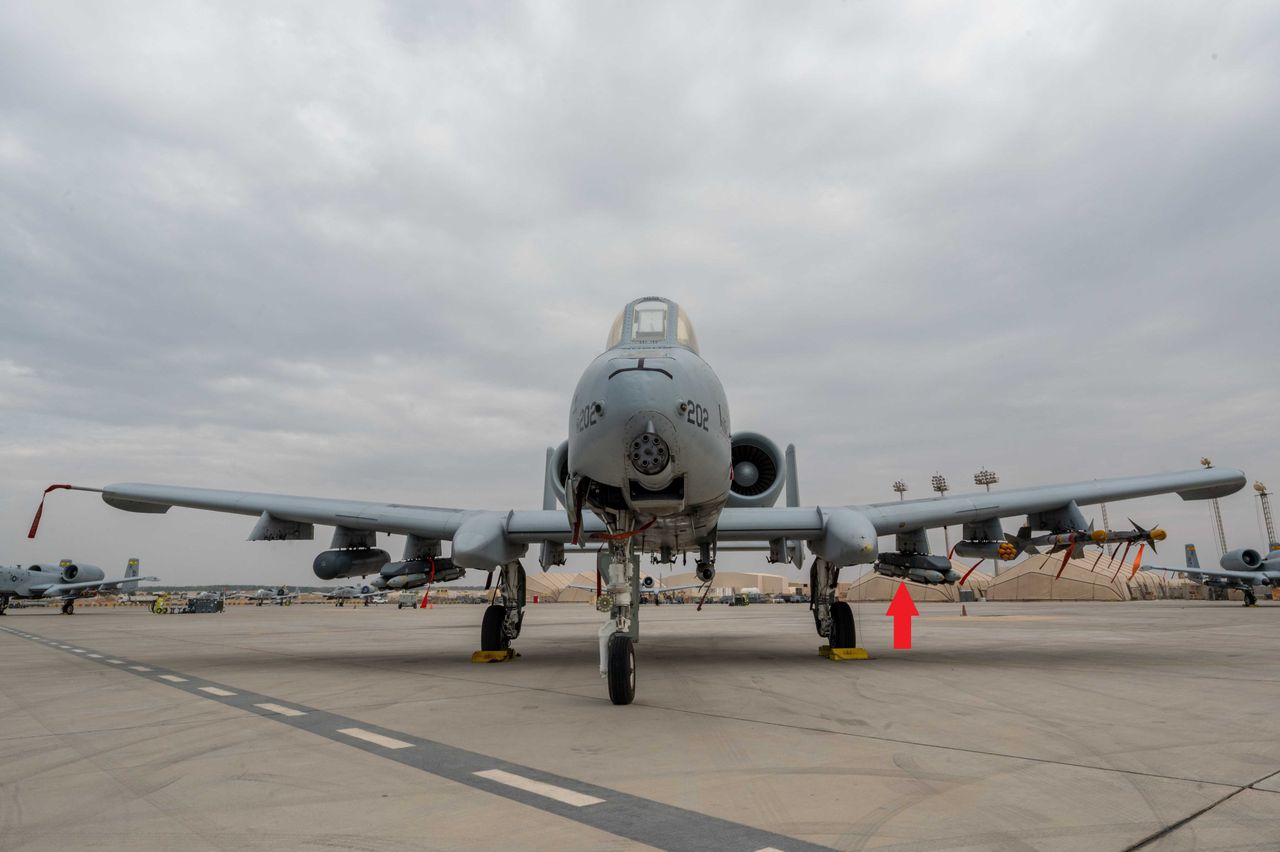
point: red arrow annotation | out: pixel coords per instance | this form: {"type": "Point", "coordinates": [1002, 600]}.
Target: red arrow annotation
{"type": "Point", "coordinates": [903, 609]}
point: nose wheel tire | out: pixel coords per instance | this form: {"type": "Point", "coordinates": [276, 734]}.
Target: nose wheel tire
{"type": "Point", "coordinates": [492, 636]}
{"type": "Point", "coordinates": [843, 634]}
{"type": "Point", "coordinates": [622, 669]}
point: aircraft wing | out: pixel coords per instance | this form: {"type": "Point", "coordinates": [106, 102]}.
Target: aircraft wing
{"type": "Point", "coordinates": [900, 516]}
{"type": "Point", "coordinates": [1257, 577]}
{"type": "Point", "coordinates": [106, 585]}
{"type": "Point", "coordinates": [483, 540]}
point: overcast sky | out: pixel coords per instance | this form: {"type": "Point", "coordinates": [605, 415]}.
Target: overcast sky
{"type": "Point", "coordinates": [365, 250]}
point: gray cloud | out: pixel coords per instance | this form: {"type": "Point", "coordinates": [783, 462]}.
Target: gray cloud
{"type": "Point", "coordinates": [365, 251]}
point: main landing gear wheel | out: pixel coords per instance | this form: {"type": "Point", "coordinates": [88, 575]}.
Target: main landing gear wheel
{"type": "Point", "coordinates": [842, 631]}
{"type": "Point", "coordinates": [492, 635]}
{"type": "Point", "coordinates": [4, 604]}
{"type": "Point", "coordinates": [622, 669]}
{"type": "Point", "coordinates": [69, 608]}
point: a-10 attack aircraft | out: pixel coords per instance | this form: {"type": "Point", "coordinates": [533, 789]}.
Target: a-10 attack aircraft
{"type": "Point", "coordinates": [67, 580]}
{"type": "Point", "coordinates": [1241, 569]}
{"type": "Point", "coordinates": [651, 465]}
{"type": "Point", "coordinates": [280, 597]}
{"type": "Point", "coordinates": [363, 591]}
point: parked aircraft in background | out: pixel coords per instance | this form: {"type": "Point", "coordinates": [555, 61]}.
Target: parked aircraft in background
{"type": "Point", "coordinates": [67, 580]}
{"type": "Point", "coordinates": [1241, 569]}
{"type": "Point", "coordinates": [650, 586]}
{"type": "Point", "coordinates": [364, 592]}
{"type": "Point", "coordinates": [280, 597]}
{"type": "Point", "coordinates": [651, 465]}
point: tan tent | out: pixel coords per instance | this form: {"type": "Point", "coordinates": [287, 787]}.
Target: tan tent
{"type": "Point", "coordinates": [1033, 580]}
{"type": "Point", "coordinates": [769, 584]}
{"type": "Point", "coordinates": [553, 586]}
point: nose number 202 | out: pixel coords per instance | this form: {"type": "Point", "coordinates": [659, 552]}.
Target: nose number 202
{"type": "Point", "coordinates": [697, 414]}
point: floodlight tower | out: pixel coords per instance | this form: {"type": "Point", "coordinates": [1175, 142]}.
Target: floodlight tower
{"type": "Point", "coordinates": [1217, 515]}
{"type": "Point", "coordinates": [939, 483]}
{"type": "Point", "coordinates": [988, 478]}
{"type": "Point", "coordinates": [1264, 496]}
{"type": "Point", "coordinates": [901, 488]}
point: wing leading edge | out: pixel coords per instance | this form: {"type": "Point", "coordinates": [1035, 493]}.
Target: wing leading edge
{"type": "Point", "coordinates": [483, 539]}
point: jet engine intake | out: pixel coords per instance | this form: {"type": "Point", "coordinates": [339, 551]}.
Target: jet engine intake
{"type": "Point", "coordinates": [759, 470]}
{"type": "Point", "coordinates": [559, 471]}
{"type": "Point", "coordinates": [1243, 559]}
{"type": "Point", "coordinates": [353, 562]}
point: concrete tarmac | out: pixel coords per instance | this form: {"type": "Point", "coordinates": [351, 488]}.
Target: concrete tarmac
{"type": "Point", "coordinates": [1099, 726]}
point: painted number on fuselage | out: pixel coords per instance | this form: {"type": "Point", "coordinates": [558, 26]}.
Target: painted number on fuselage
{"type": "Point", "coordinates": [588, 416]}
{"type": "Point", "coordinates": [698, 415]}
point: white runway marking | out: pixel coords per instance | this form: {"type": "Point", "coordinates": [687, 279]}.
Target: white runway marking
{"type": "Point", "coordinates": [78, 651]}
{"type": "Point", "coordinates": [116, 662]}
{"type": "Point", "coordinates": [213, 690]}
{"type": "Point", "coordinates": [140, 668]}
{"type": "Point", "coordinates": [172, 678]}
{"type": "Point", "coordinates": [560, 794]}
{"type": "Point", "coordinates": [281, 709]}
{"type": "Point", "coordinates": [96, 656]}
{"type": "Point", "coordinates": [376, 739]}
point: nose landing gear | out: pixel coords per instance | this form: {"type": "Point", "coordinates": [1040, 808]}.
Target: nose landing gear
{"type": "Point", "coordinates": [621, 572]}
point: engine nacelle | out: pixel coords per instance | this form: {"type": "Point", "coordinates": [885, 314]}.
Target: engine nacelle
{"type": "Point", "coordinates": [559, 470]}
{"type": "Point", "coordinates": [759, 470]}
{"type": "Point", "coordinates": [920, 567]}
{"type": "Point", "coordinates": [648, 582]}
{"type": "Point", "coordinates": [1243, 559]}
{"type": "Point", "coordinates": [71, 572]}
{"type": "Point", "coordinates": [353, 562]}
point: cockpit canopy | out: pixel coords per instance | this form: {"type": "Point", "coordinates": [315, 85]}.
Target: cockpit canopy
{"type": "Point", "coordinates": [652, 321]}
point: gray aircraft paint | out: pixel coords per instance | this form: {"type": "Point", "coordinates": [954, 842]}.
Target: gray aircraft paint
{"type": "Point", "coordinates": [67, 580]}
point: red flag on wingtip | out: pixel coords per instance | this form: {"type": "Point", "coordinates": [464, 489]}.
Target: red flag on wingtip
{"type": "Point", "coordinates": [35, 522]}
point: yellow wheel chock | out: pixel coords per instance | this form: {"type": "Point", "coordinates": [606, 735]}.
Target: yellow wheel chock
{"type": "Point", "coordinates": [494, 656]}
{"type": "Point", "coordinates": [843, 653]}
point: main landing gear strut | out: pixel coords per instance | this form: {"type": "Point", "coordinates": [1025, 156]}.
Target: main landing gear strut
{"type": "Point", "coordinates": [833, 618]}
{"type": "Point", "coordinates": [502, 620]}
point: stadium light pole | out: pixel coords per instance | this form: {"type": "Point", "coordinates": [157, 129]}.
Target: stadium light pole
{"type": "Point", "coordinates": [988, 478]}
{"type": "Point", "coordinates": [1264, 496]}
{"type": "Point", "coordinates": [1217, 514]}
{"type": "Point", "coordinates": [939, 483]}
{"type": "Point", "coordinates": [901, 488]}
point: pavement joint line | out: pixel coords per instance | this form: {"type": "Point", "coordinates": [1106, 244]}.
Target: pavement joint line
{"type": "Point", "coordinates": [621, 814]}
{"type": "Point", "coordinates": [376, 739]}
{"type": "Point", "coordinates": [540, 788]}
{"type": "Point", "coordinates": [217, 690]}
